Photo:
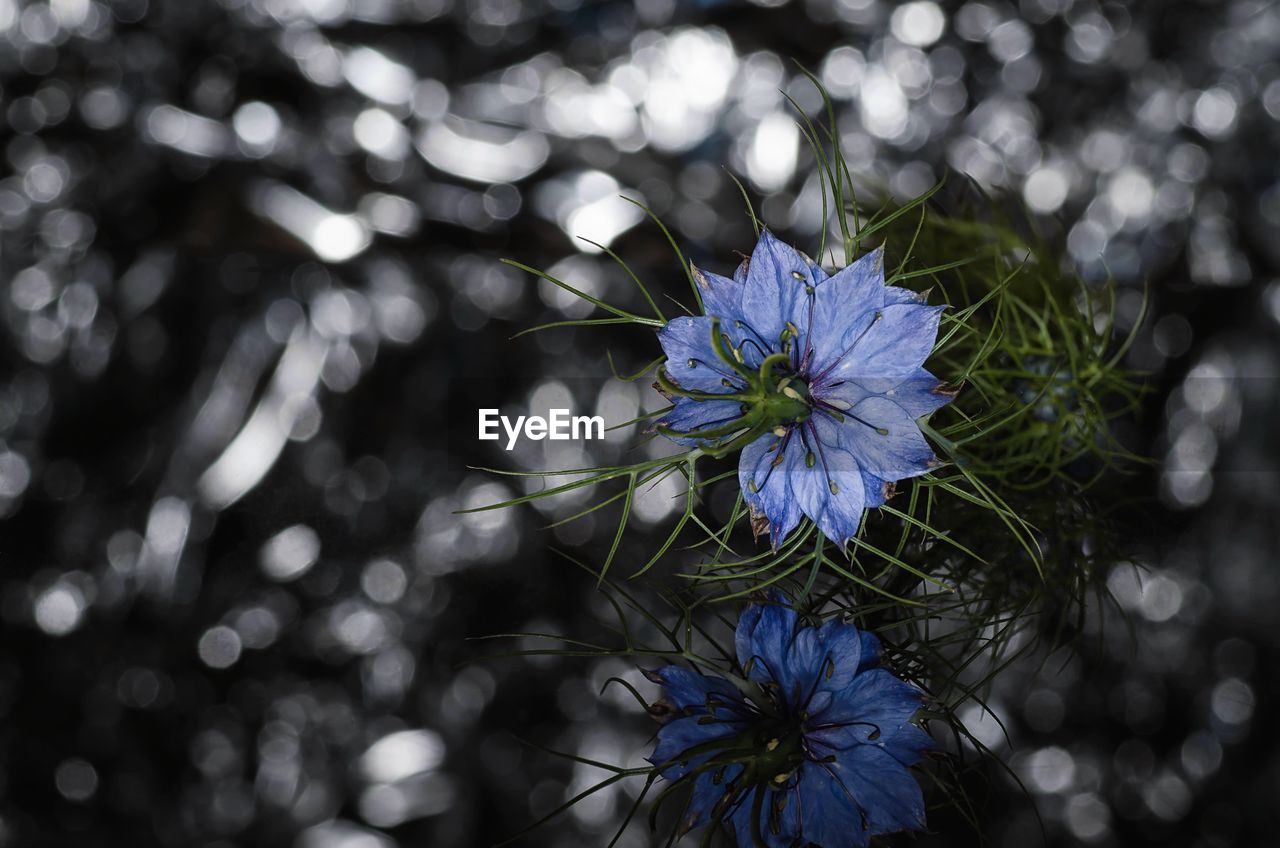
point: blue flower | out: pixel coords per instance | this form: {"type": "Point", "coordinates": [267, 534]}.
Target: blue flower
{"type": "Point", "coordinates": [813, 747]}
{"type": "Point", "coordinates": [818, 379]}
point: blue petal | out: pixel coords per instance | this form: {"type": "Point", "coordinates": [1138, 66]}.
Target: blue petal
{"type": "Point", "coordinates": [921, 393]}
{"type": "Point", "coordinates": [744, 833]}
{"type": "Point", "coordinates": [689, 690]}
{"type": "Point", "coordinates": [909, 744]}
{"type": "Point", "coordinates": [876, 490]}
{"type": "Point", "coordinates": [772, 497]}
{"type": "Point", "coordinates": [720, 296]}
{"type": "Point", "coordinates": [872, 653]}
{"type": "Point", "coordinates": [895, 345]}
{"type": "Point", "coordinates": [688, 415]}
{"type": "Point", "coordinates": [829, 816]}
{"type": "Point", "coordinates": [776, 280]}
{"type": "Point", "coordinates": [691, 360]}
{"type": "Point", "coordinates": [870, 711]}
{"type": "Point", "coordinates": [763, 640]}
{"type": "Point", "coordinates": [843, 644]}
{"type": "Point", "coordinates": [886, 792]}
{"type": "Point", "coordinates": [897, 294]}
{"type": "Point", "coordinates": [831, 492]}
{"type": "Point", "coordinates": [706, 794]}
{"type": "Point", "coordinates": [885, 440]}
{"type": "Point", "coordinates": [843, 300]}
{"type": "Point", "coordinates": [918, 394]}
{"type": "Point", "coordinates": [679, 736]}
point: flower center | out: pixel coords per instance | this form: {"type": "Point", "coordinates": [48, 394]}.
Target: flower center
{"type": "Point", "coordinates": [771, 396]}
{"type": "Point", "coordinates": [787, 402]}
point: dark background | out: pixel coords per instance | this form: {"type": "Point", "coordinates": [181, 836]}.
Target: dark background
{"type": "Point", "coordinates": [252, 301]}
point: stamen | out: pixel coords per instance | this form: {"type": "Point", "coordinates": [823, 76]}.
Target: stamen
{"type": "Point", "coordinates": [773, 744]}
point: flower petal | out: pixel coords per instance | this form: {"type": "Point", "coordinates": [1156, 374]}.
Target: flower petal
{"type": "Point", "coordinates": [921, 393]}
{"type": "Point", "coordinates": [872, 653]}
{"type": "Point", "coordinates": [831, 490]}
{"type": "Point", "coordinates": [720, 295]}
{"type": "Point", "coordinates": [691, 360]}
{"type": "Point", "coordinates": [886, 441]}
{"type": "Point", "coordinates": [777, 277]}
{"type": "Point", "coordinates": [894, 345]}
{"type": "Point", "coordinates": [766, 482]}
{"type": "Point", "coordinates": [888, 795]}
{"type": "Point", "coordinates": [677, 738]}
{"type": "Point", "coordinates": [746, 835]}
{"type": "Point", "coordinates": [909, 744]}
{"type": "Point", "coordinates": [842, 301]}
{"type": "Point", "coordinates": [690, 691]}
{"type": "Point", "coordinates": [898, 294]}
{"type": "Point", "coordinates": [828, 816]}
{"type": "Point", "coordinates": [870, 711]}
{"type": "Point", "coordinates": [842, 642]}
{"type": "Point", "coordinates": [689, 415]}
{"type": "Point", "coordinates": [763, 640]}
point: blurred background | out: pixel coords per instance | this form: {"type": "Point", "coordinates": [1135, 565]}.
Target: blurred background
{"type": "Point", "coordinates": [252, 300]}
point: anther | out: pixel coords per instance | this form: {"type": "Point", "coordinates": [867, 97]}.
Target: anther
{"type": "Point", "coordinates": [773, 744]}
{"type": "Point", "coordinates": [831, 484]}
{"type": "Point", "coordinates": [792, 393]}
{"type": "Point", "coordinates": [779, 431]}
{"type": "Point", "coordinates": [797, 275]}
{"type": "Point", "coordinates": [810, 459]}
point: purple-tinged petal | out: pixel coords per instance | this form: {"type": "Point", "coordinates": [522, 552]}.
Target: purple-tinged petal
{"type": "Point", "coordinates": [707, 792]}
{"type": "Point", "coordinates": [841, 642]}
{"type": "Point", "coordinates": [872, 653]}
{"type": "Point", "coordinates": [691, 360]}
{"type": "Point", "coordinates": [870, 710]}
{"type": "Point", "coordinates": [763, 640]}
{"type": "Point", "coordinates": [692, 692]}
{"type": "Point", "coordinates": [721, 296]}
{"type": "Point", "coordinates": [887, 794]}
{"type": "Point", "coordinates": [828, 815]}
{"type": "Point", "coordinates": [898, 294]}
{"type": "Point", "coordinates": [921, 394]}
{"type": "Point", "coordinates": [688, 415]}
{"type": "Point", "coordinates": [776, 281]}
{"type": "Point", "coordinates": [885, 440]}
{"type": "Point", "coordinates": [829, 488]}
{"type": "Point", "coordinates": [677, 738]}
{"type": "Point", "coordinates": [909, 745]}
{"type": "Point", "coordinates": [896, 343]}
{"type": "Point", "coordinates": [766, 485]}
